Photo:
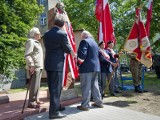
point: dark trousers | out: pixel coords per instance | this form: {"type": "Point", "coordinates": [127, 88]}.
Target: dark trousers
{"type": "Point", "coordinates": [102, 83]}
{"type": "Point", "coordinates": [157, 70]}
{"type": "Point", "coordinates": [55, 87]}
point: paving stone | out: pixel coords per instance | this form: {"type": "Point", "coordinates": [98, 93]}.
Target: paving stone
{"type": "Point", "coordinates": [106, 113]}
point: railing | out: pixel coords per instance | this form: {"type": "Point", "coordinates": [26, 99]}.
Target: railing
{"type": "Point", "coordinates": [128, 78]}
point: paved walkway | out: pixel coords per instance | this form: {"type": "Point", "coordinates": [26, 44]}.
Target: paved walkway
{"type": "Point", "coordinates": [12, 111]}
{"type": "Point", "coordinates": [106, 113]}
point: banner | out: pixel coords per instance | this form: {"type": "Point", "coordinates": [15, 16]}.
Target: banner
{"type": "Point", "coordinates": [138, 42]}
{"type": "Point", "coordinates": [69, 58]}
{"type": "Point", "coordinates": [70, 61]}
{"type": "Point", "coordinates": [103, 15]}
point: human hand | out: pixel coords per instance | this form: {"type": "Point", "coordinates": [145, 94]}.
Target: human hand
{"type": "Point", "coordinates": [114, 65]}
{"type": "Point", "coordinates": [73, 54]}
{"type": "Point", "coordinates": [31, 70]}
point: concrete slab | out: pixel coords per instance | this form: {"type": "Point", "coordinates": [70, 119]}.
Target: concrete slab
{"type": "Point", "coordinates": [106, 113]}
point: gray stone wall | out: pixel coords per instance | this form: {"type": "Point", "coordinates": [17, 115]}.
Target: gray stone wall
{"type": "Point", "coordinates": [20, 81]}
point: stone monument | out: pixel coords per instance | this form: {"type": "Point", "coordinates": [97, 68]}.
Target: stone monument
{"type": "Point", "coordinates": [69, 87]}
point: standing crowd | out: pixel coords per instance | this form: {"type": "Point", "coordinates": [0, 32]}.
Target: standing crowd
{"type": "Point", "coordinates": [96, 64]}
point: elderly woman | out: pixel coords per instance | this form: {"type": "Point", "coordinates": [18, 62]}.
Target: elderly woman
{"type": "Point", "coordinates": [34, 60]}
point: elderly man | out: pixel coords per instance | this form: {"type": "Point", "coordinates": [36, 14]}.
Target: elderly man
{"type": "Point", "coordinates": [89, 69]}
{"type": "Point", "coordinates": [34, 60]}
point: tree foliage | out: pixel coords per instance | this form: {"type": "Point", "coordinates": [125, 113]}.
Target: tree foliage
{"type": "Point", "coordinates": [82, 15]}
{"type": "Point", "coordinates": [17, 17]}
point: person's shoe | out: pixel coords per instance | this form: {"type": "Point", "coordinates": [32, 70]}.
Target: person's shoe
{"type": "Point", "coordinates": [103, 95]}
{"type": "Point", "coordinates": [40, 102]}
{"type": "Point", "coordinates": [59, 115]}
{"type": "Point", "coordinates": [135, 88]}
{"type": "Point", "coordinates": [82, 108]}
{"type": "Point", "coordinates": [138, 89]}
{"type": "Point", "coordinates": [113, 94]}
{"type": "Point", "coordinates": [33, 106]}
{"type": "Point", "coordinates": [61, 108]}
{"type": "Point", "coordinates": [99, 106]}
{"type": "Point", "coordinates": [91, 99]}
{"type": "Point", "coordinates": [118, 91]}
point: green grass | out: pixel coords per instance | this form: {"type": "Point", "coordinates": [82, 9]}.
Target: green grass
{"type": "Point", "coordinates": [150, 83]}
{"type": "Point", "coordinates": [16, 90]}
{"type": "Point", "coordinates": [43, 87]}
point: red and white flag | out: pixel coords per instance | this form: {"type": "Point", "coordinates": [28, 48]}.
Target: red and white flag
{"type": "Point", "coordinates": [138, 42]}
{"type": "Point", "coordinates": [103, 15]}
{"type": "Point", "coordinates": [149, 16]}
{"type": "Point", "coordinates": [69, 59]}
{"type": "Point", "coordinates": [69, 62]}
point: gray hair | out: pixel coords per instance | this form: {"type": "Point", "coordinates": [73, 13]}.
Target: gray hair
{"type": "Point", "coordinates": [33, 32]}
{"type": "Point", "coordinates": [86, 34]}
{"type": "Point", "coordinates": [59, 20]}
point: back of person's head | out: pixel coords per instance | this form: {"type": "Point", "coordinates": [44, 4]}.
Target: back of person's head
{"type": "Point", "coordinates": [59, 20]}
{"type": "Point", "coordinates": [85, 34]}
{"type": "Point", "coordinates": [33, 32]}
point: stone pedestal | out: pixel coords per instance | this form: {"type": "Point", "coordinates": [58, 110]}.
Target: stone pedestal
{"type": "Point", "coordinates": [4, 99]}
{"type": "Point", "coordinates": [67, 94]}
{"type": "Point", "coordinates": [71, 93]}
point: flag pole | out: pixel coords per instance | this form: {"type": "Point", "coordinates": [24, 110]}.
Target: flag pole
{"type": "Point", "coordinates": [149, 16]}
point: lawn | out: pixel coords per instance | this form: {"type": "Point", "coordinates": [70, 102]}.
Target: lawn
{"type": "Point", "coordinates": [150, 83]}
{"type": "Point", "coordinates": [43, 87]}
